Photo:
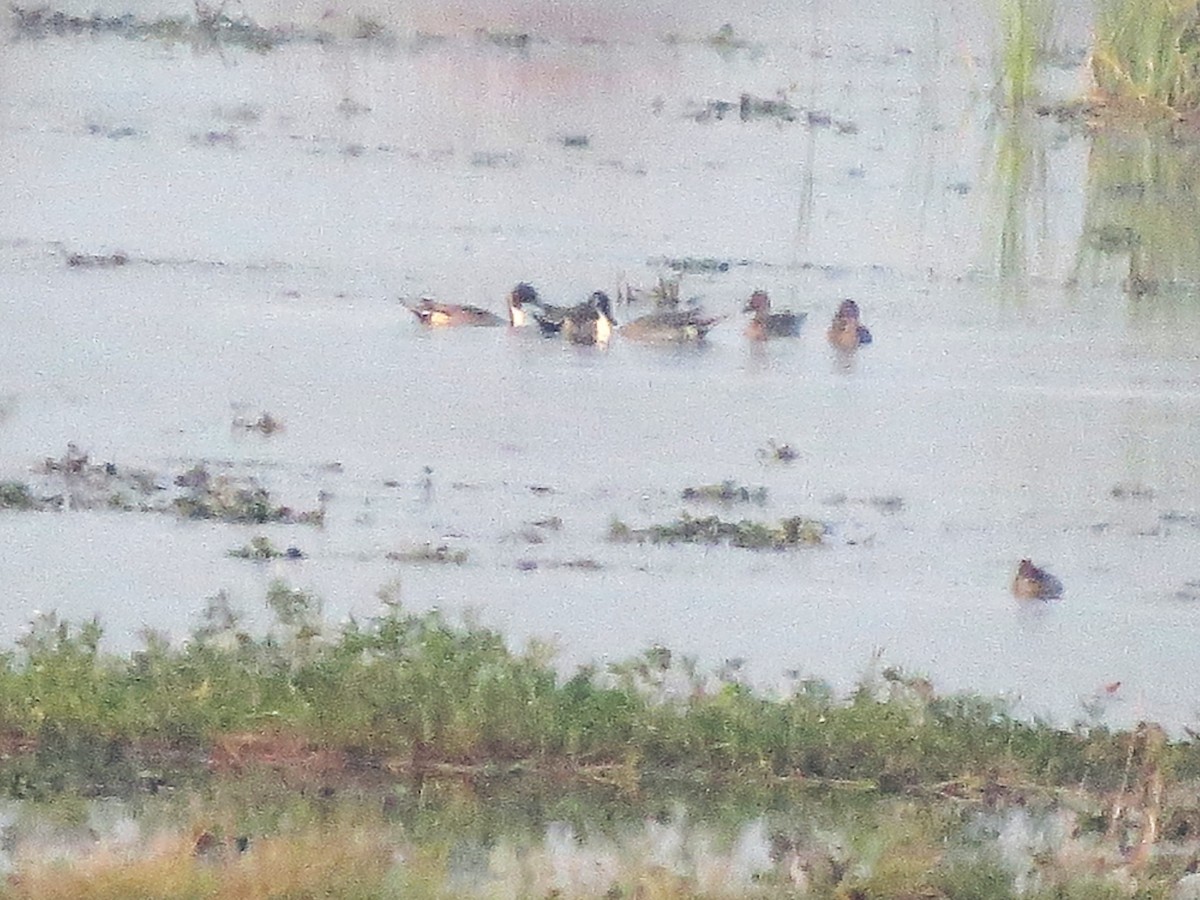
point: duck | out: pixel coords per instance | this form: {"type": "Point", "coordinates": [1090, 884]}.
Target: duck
{"type": "Point", "coordinates": [1033, 583]}
{"type": "Point", "coordinates": [590, 322]}
{"type": "Point", "coordinates": [671, 326]}
{"type": "Point", "coordinates": [765, 324]}
{"type": "Point", "coordinates": [450, 315]}
{"type": "Point", "coordinates": [846, 331]}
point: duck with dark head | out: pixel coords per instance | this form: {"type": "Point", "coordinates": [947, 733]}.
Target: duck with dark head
{"type": "Point", "coordinates": [591, 322]}
{"type": "Point", "coordinates": [765, 324]}
{"type": "Point", "coordinates": [454, 315]}
{"type": "Point", "coordinates": [846, 331]}
{"type": "Point", "coordinates": [1034, 583]}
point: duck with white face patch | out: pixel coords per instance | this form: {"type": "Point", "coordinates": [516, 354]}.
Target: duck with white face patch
{"type": "Point", "coordinates": [433, 314]}
{"type": "Point", "coordinates": [591, 322]}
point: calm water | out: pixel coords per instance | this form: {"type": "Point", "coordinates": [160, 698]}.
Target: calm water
{"type": "Point", "coordinates": [276, 206]}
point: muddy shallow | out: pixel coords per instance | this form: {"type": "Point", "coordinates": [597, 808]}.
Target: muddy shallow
{"type": "Point", "coordinates": [273, 207]}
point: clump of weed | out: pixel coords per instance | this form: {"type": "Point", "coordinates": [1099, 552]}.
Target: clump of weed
{"type": "Point", "coordinates": [16, 495]}
{"type": "Point", "coordinates": [261, 548]}
{"type": "Point", "coordinates": [429, 553]}
{"type": "Point", "coordinates": [227, 500]}
{"type": "Point", "coordinates": [790, 532]}
{"type": "Point", "coordinates": [725, 493]}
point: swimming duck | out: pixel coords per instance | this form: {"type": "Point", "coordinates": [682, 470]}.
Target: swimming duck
{"type": "Point", "coordinates": [591, 322]}
{"type": "Point", "coordinates": [1032, 583]}
{"type": "Point", "coordinates": [765, 324]}
{"type": "Point", "coordinates": [450, 315]}
{"type": "Point", "coordinates": [667, 326]}
{"type": "Point", "coordinates": [846, 332]}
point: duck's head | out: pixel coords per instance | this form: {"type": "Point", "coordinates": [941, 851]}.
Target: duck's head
{"type": "Point", "coordinates": [848, 310]}
{"type": "Point", "coordinates": [759, 302]}
{"type": "Point", "coordinates": [603, 305]}
{"type": "Point", "coordinates": [523, 293]}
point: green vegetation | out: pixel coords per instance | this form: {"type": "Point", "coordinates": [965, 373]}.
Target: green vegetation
{"type": "Point", "coordinates": [260, 548]}
{"type": "Point", "coordinates": [725, 493]}
{"type": "Point", "coordinates": [790, 532]}
{"type": "Point", "coordinates": [1147, 52]}
{"type": "Point", "coordinates": [418, 690]}
{"type": "Point", "coordinates": [429, 553]}
{"type": "Point", "coordinates": [365, 761]}
{"type": "Point", "coordinates": [1024, 25]}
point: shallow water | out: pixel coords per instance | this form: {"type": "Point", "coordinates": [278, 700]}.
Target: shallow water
{"type": "Point", "coordinates": [275, 206]}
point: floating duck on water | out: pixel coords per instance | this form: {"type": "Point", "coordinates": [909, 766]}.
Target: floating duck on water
{"type": "Point", "coordinates": [451, 315]}
{"type": "Point", "coordinates": [591, 322]}
{"type": "Point", "coordinates": [1033, 583]}
{"type": "Point", "coordinates": [671, 326]}
{"type": "Point", "coordinates": [846, 331]}
{"type": "Point", "coordinates": [765, 324]}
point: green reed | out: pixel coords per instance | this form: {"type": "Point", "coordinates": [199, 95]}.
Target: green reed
{"type": "Point", "coordinates": [1148, 52]}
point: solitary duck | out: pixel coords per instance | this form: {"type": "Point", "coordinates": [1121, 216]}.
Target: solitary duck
{"type": "Point", "coordinates": [591, 322]}
{"type": "Point", "coordinates": [451, 315]}
{"type": "Point", "coordinates": [1032, 583]}
{"type": "Point", "coordinates": [765, 324]}
{"type": "Point", "coordinates": [846, 332]}
{"type": "Point", "coordinates": [671, 326]}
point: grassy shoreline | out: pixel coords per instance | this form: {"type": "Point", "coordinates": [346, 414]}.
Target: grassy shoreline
{"type": "Point", "coordinates": [390, 743]}
{"type": "Point", "coordinates": [411, 693]}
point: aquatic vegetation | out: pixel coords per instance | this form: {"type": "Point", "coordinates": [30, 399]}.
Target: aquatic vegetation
{"type": "Point", "coordinates": [891, 791]}
{"type": "Point", "coordinates": [15, 495]}
{"type": "Point", "coordinates": [210, 27]}
{"type": "Point", "coordinates": [726, 493]}
{"type": "Point", "coordinates": [1147, 54]}
{"type": "Point", "coordinates": [790, 532]}
{"type": "Point", "coordinates": [1024, 27]}
{"type": "Point", "coordinates": [261, 548]}
{"type": "Point", "coordinates": [230, 500]}
{"type": "Point", "coordinates": [429, 553]}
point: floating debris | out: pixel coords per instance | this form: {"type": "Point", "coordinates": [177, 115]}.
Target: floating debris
{"type": "Point", "coordinates": [790, 532]}
{"type": "Point", "coordinates": [1131, 491]}
{"type": "Point", "coordinates": [517, 41]}
{"type": "Point", "coordinates": [696, 265]}
{"type": "Point", "coordinates": [113, 134]}
{"type": "Point", "coordinates": [1189, 592]}
{"type": "Point", "coordinates": [96, 260]}
{"type": "Point", "coordinates": [429, 553]}
{"type": "Point", "coordinates": [266, 424]}
{"type": "Point", "coordinates": [503, 159]}
{"type": "Point", "coordinates": [774, 452]}
{"type": "Point", "coordinates": [726, 493]}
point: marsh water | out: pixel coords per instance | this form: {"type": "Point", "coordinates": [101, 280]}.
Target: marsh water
{"type": "Point", "coordinates": [1033, 389]}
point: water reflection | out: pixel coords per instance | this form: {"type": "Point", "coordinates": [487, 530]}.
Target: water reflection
{"type": "Point", "coordinates": [1142, 210]}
